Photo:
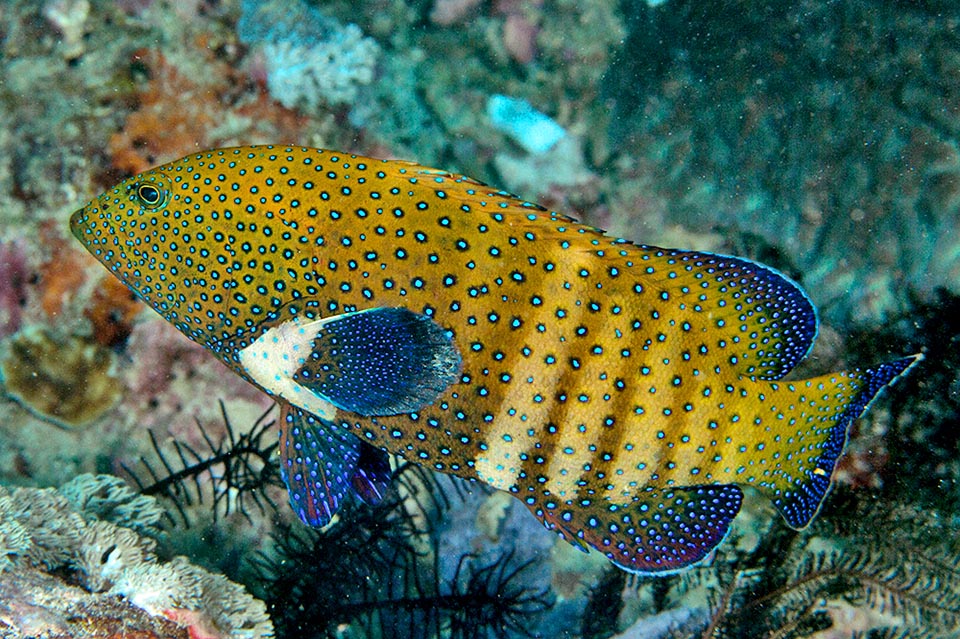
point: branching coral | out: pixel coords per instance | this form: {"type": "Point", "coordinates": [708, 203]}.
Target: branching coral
{"type": "Point", "coordinates": [312, 60]}
{"type": "Point", "coordinates": [111, 499]}
{"type": "Point", "coordinates": [44, 536]}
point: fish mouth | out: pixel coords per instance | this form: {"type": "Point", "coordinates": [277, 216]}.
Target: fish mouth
{"type": "Point", "coordinates": [79, 223]}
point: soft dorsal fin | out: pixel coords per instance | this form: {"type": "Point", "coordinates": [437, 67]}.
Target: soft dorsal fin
{"type": "Point", "coordinates": [762, 318]}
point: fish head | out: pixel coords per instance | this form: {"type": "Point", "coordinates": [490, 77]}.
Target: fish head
{"type": "Point", "coordinates": [133, 230]}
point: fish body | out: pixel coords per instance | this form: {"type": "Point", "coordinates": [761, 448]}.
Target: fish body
{"type": "Point", "coordinates": [623, 392]}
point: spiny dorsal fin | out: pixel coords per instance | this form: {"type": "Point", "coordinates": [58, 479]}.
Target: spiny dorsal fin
{"type": "Point", "coordinates": [762, 320]}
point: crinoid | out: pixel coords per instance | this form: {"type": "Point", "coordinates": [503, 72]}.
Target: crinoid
{"type": "Point", "coordinates": [233, 472]}
{"type": "Point", "coordinates": [882, 571]}
{"type": "Point", "coordinates": [379, 568]}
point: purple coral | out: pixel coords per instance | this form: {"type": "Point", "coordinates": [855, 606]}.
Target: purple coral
{"type": "Point", "coordinates": [14, 276]}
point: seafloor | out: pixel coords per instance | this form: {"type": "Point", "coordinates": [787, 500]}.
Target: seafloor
{"type": "Point", "coordinates": [822, 138]}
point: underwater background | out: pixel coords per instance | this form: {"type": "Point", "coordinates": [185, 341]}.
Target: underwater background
{"type": "Point", "coordinates": [139, 493]}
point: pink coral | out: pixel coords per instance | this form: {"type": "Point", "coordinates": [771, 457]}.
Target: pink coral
{"type": "Point", "coordinates": [520, 37]}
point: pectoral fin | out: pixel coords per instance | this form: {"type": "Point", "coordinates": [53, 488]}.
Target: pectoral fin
{"type": "Point", "coordinates": [381, 361]}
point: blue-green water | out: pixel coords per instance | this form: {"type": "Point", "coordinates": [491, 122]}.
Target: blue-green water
{"type": "Point", "coordinates": [820, 138]}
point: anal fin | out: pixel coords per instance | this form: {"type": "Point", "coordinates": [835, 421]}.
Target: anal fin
{"type": "Point", "coordinates": [322, 464]}
{"type": "Point", "coordinates": [660, 532]}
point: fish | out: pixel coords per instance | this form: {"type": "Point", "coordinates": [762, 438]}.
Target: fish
{"type": "Point", "coordinates": [624, 393]}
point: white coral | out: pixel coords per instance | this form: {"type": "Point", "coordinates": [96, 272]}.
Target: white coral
{"type": "Point", "coordinates": [327, 71]}
{"type": "Point", "coordinates": [107, 552]}
{"type": "Point", "coordinates": [111, 499]}
{"type": "Point", "coordinates": [39, 527]}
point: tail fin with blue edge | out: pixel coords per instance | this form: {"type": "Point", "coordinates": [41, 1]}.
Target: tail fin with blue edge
{"type": "Point", "coordinates": [800, 502]}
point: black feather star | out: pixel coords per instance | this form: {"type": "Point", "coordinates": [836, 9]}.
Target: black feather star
{"type": "Point", "coordinates": [379, 568]}
{"type": "Point", "coordinates": [373, 567]}
{"type": "Point", "coordinates": [234, 470]}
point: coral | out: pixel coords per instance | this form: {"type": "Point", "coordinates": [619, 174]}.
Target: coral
{"type": "Point", "coordinates": [520, 37]}
{"type": "Point", "coordinates": [65, 380]}
{"type": "Point", "coordinates": [448, 12]}
{"type": "Point", "coordinates": [170, 382]}
{"type": "Point", "coordinates": [14, 274]}
{"type": "Point", "coordinates": [62, 273]}
{"type": "Point", "coordinates": [388, 582]}
{"type": "Point", "coordinates": [311, 60]}
{"type": "Point", "coordinates": [35, 604]}
{"type": "Point", "coordinates": [107, 560]}
{"type": "Point", "coordinates": [105, 554]}
{"type": "Point", "coordinates": [895, 564]}
{"type": "Point", "coordinates": [518, 119]}
{"type": "Point", "coordinates": [109, 498]}
{"type": "Point", "coordinates": [175, 115]}
{"type": "Point", "coordinates": [861, 192]}
{"type": "Point", "coordinates": [111, 310]}
{"type": "Point", "coordinates": [69, 17]}
{"type": "Point", "coordinates": [554, 177]}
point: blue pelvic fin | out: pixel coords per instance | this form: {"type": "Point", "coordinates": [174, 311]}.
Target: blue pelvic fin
{"type": "Point", "coordinates": [661, 532]}
{"type": "Point", "coordinates": [322, 464]}
{"type": "Point", "coordinates": [381, 361]}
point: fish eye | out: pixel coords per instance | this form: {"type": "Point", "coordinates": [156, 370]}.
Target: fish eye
{"type": "Point", "coordinates": [149, 195]}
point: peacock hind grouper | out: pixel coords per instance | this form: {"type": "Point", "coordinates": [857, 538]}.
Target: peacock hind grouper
{"type": "Point", "coordinates": [623, 392]}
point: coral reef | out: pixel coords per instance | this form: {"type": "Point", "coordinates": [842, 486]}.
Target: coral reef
{"type": "Point", "coordinates": [66, 380]}
{"type": "Point", "coordinates": [14, 274]}
{"type": "Point", "coordinates": [311, 59]}
{"type": "Point", "coordinates": [532, 130]}
{"type": "Point", "coordinates": [861, 193]}
{"type": "Point", "coordinates": [882, 569]}
{"type": "Point", "coordinates": [889, 568]}
{"type": "Point", "coordinates": [44, 536]}
{"type": "Point", "coordinates": [387, 565]}
{"type": "Point", "coordinates": [162, 127]}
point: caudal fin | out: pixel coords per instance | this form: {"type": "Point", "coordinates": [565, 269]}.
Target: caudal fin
{"type": "Point", "coordinates": [800, 503]}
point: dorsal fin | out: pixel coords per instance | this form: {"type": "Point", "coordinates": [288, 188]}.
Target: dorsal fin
{"type": "Point", "coordinates": [762, 318]}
